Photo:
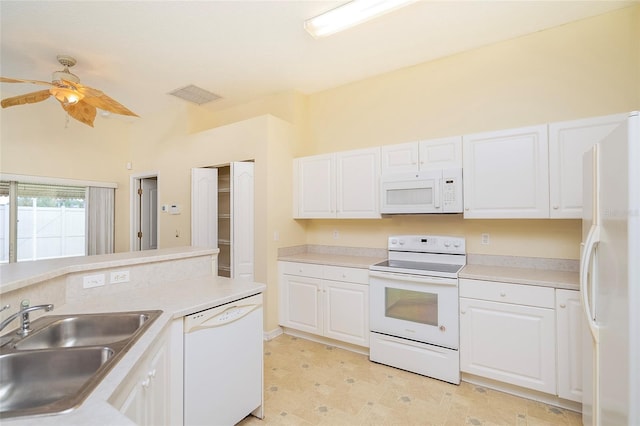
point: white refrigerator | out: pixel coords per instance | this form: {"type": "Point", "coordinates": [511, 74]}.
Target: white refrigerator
{"type": "Point", "coordinates": [610, 278]}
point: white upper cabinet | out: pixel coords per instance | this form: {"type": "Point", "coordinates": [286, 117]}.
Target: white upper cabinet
{"type": "Point", "coordinates": [338, 185]}
{"type": "Point", "coordinates": [315, 186]}
{"type": "Point", "coordinates": [358, 183]}
{"type": "Point", "coordinates": [433, 154]}
{"type": "Point", "coordinates": [568, 141]}
{"type": "Point", "coordinates": [506, 174]}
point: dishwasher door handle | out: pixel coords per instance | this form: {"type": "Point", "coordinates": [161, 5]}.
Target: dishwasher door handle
{"type": "Point", "coordinates": [229, 315]}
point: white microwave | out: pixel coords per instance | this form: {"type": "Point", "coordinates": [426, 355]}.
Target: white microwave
{"type": "Point", "coordinates": [428, 191]}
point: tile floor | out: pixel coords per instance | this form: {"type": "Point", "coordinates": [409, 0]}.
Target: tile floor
{"type": "Point", "coordinates": [309, 383]}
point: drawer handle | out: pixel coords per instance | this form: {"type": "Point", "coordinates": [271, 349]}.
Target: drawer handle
{"type": "Point", "coordinates": [562, 305]}
{"type": "Point", "coordinates": [503, 294]}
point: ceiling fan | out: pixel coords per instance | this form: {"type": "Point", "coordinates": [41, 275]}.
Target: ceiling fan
{"type": "Point", "coordinates": [78, 100]}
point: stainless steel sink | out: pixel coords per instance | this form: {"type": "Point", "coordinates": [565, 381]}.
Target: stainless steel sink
{"type": "Point", "coordinates": [83, 330]}
{"type": "Point", "coordinates": [56, 366]}
{"type": "Point", "coordinates": [47, 379]}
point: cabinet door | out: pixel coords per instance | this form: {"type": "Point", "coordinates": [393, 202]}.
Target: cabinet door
{"type": "Point", "coordinates": [134, 405]}
{"type": "Point", "coordinates": [399, 158]}
{"type": "Point", "coordinates": [242, 220]}
{"type": "Point", "coordinates": [148, 401]}
{"type": "Point", "coordinates": [315, 195]}
{"type": "Point", "coordinates": [510, 343]}
{"type": "Point", "coordinates": [568, 141]}
{"type": "Point", "coordinates": [301, 303]}
{"type": "Point", "coordinates": [346, 312]}
{"type": "Point", "coordinates": [506, 174]}
{"type": "Point", "coordinates": [357, 183]}
{"type": "Point", "coordinates": [157, 399]}
{"type": "Point", "coordinates": [569, 340]}
{"type": "Point", "coordinates": [438, 154]}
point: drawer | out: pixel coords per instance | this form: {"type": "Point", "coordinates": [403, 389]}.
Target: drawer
{"type": "Point", "coordinates": [519, 294]}
{"type": "Point", "coordinates": [302, 269]}
{"type": "Point", "coordinates": [352, 275]}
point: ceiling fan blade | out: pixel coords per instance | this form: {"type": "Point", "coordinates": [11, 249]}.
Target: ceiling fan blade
{"type": "Point", "coordinates": [98, 99]}
{"type": "Point", "coordinates": [81, 111]}
{"type": "Point", "coordinates": [27, 98]}
{"type": "Point", "coordinates": [16, 80]}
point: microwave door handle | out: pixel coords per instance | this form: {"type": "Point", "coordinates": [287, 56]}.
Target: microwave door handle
{"type": "Point", "coordinates": [436, 193]}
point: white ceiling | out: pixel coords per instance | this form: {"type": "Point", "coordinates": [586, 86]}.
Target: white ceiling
{"type": "Point", "coordinates": [138, 51]}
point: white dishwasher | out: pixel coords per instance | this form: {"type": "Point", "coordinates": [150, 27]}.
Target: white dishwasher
{"type": "Point", "coordinates": [223, 364]}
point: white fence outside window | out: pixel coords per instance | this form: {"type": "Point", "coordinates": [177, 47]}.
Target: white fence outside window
{"type": "Point", "coordinates": [44, 232]}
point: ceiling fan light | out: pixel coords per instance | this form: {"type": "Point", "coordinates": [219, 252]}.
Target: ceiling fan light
{"type": "Point", "coordinates": [66, 96]}
{"type": "Point", "coordinates": [350, 14]}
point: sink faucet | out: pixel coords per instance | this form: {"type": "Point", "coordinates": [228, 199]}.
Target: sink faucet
{"type": "Point", "coordinates": [23, 313]}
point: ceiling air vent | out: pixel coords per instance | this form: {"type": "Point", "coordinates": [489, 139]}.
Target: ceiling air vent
{"type": "Point", "coordinates": [195, 94]}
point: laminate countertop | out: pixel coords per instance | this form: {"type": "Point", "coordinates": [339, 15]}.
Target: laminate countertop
{"type": "Point", "coordinates": [539, 276]}
{"type": "Point", "coordinates": [350, 261]}
{"type": "Point", "coordinates": [568, 280]}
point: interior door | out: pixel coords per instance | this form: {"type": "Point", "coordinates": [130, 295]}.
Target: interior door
{"type": "Point", "coordinates": [242, 220]}
{"type": "Point", "coordinates": [148, 213]}
{"type": "Point", "coordinates": [204, 207]}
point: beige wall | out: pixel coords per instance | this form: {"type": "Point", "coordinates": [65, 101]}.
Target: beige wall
{"type": "Point", "coordinates": [583, 69]}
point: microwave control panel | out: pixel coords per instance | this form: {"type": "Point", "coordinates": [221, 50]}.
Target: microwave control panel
{"type": "Point", "coordinates": [452, 190]}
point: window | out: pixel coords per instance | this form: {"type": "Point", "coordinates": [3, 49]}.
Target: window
{"type": "Point", "coordinates": [50, 221]}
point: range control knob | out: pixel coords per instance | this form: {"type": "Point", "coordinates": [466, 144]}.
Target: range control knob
{"type": "Point", "coordinates": [401, 242]}
{"type": "Point", "coordinates": [456, 244]}
{"type": "Point", "coordinates": [447, 244]}
{"type": "Point", "coordinates": [394, 241]}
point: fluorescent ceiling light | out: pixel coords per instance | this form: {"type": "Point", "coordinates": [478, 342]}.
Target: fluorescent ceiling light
{"type": "Point", "coordinates": [351, 14]}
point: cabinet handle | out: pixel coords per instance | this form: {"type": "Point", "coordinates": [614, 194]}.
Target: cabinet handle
{"type": "Point", "coordinates": [145, 383]}
{"type": "Point", "coordinates": [466, 209]}
{"type": "Point", "coordinates": [463, 312]}
{"type": "Point", "coordinates": [503, 294]}
{"type": "Point", "coordinates": [562, 305]}
{"type": "Point", "coordinates": [556, 207]}
{"type": "Point", "coordinates": [152, 373]}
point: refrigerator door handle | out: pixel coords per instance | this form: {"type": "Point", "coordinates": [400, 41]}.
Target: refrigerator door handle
{"type": "Point", "coordinates": [586, 284]}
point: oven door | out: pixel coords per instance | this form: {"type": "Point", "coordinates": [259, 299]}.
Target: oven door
{"type": "Point", "coordinates": [424, 309]}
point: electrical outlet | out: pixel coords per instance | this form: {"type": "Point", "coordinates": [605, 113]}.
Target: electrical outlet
{"type": "Point", "coordinates": [119, 277]}
{"type": "Point", "coordinates": [484, 239]}
{"type": "Point", "coordinates": [336, 234]}
{"type": "Point", "coordinates": [89, 281]}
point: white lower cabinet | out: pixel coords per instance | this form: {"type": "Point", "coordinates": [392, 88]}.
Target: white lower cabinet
{"type": "Point", "coordinates": [144, 396]}
{"type": "Point", "coordinates": [569, 340]}
{"type": "Point", "coordinates": [328, 301]}
{"type": "Point", "coordinates": [507, 333]}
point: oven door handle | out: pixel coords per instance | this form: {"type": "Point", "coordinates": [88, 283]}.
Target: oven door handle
{"type": "Point", "coordinates": [414, 278]}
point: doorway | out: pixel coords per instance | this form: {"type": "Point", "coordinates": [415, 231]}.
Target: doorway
{"type": "Point", "coordinates": [144, 212]}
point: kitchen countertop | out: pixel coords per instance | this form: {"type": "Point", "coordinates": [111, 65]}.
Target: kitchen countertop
{"type": "Point", "coordinates": [362, 262]}
{"type": "Point", "coordinates": [14, 276]}
{"type": "Point", "coordinates": [176, 300]}
{"type": "Point", "coordinates": [567, 280]}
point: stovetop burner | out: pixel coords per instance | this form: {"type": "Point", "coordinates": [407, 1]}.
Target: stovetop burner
{"type": "Point", "coordinates": [426, 255]}
{"type": "Point", "coordinates": [418, 267]}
